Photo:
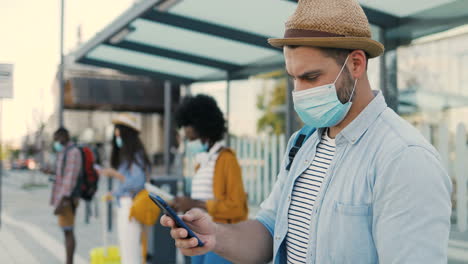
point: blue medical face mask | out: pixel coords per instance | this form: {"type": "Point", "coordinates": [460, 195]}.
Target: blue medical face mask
{"type": "Point", "coordinates": [119, 142]}
{"type": "Point", "coordinates": [196, 146]}
{"type": "Point", "coordinates": [319, 106]}
{"type": "Point", "coordinates": [58, 147]}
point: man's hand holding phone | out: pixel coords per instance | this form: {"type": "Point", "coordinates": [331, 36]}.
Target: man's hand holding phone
{"type": "Point", "coordinates": [200, 223]}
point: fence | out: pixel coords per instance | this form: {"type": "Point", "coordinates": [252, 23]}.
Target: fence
{"type": "Point", "coordinates": [260, 160]}
{"type": "Point", "coordinates": [453, 150]}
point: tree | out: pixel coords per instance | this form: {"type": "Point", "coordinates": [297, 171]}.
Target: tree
{"type": "Point", "coordinates": [273, 104]}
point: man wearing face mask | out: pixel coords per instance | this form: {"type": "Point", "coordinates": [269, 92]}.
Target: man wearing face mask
{"type": "Point", "coordinates": [217, 186]}
{"type": "Point", "coordinates": [365, 187]}
{"type": "Point", "coordinates": [64, 201]}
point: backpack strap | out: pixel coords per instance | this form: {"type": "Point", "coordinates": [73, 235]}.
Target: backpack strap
{"type": "Point", "coordinates": [301, 137]}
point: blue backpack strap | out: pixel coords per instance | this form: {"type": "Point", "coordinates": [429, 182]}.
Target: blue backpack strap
{"type": "Point", "coordinates": [301, 137]}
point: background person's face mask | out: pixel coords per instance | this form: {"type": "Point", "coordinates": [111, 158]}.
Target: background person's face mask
{"type": "Point", "coordinates": [196, 146]}
{"type": "Point", "coordinates": [119, 142]}
{"type": "Point", "coordinates": [58, 147]}
{"type": "Point", "coordinates": [319, 106]}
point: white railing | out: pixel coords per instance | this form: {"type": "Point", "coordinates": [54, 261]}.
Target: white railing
{"type": "Point", "coordinates": [260, 160]}
{"type": "Point", "coordinates": [454, 156]}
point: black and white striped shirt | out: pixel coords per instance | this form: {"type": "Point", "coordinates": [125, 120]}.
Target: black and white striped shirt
{"type": "Point", "coordinates": [305, 191]}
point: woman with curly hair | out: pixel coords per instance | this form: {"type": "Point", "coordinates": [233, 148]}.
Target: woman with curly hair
{"type": "Point", "coordinates": [217, 184]}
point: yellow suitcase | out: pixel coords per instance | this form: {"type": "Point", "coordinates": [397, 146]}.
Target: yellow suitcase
{"type": "Point", "coordinates": [106, 254]}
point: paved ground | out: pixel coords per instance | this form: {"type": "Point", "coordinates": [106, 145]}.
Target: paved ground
{"type": "Point", "coordinates": [29, 233]}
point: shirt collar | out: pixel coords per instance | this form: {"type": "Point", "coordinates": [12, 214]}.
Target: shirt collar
{"type": "Point", "coordinates": [353, 132]}
{"type": "Point", "coordinates": [204, 157]}
{"type": "Point", "coordinates": [216, 147]}
{"type": "Point", "coordinates": [67, 146]}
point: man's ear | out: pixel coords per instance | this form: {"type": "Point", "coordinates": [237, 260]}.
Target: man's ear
{"type": "Point", "coordinates": [357, 63]}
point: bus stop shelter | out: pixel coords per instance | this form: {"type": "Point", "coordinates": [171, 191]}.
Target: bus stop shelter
{"type": "Point", "coordinates": [188, 41]}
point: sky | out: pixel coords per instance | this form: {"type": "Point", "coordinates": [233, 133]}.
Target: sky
{"type": "Point", "coordinates": [30, 40]}
{"type": "Point", "coordinates": [29, 33]}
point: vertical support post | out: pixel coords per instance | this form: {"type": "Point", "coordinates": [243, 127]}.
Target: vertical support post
{"type": "Point", "coordinates": [167, 126]}
{"type": "Point", "coordinates": [62, 65]}
{"type": "Point", "coordinates": [228, 107]}
{"type": "Point", "coordinates": [109, 206]}
{"type": "Point", "coordinates": [388, 74]}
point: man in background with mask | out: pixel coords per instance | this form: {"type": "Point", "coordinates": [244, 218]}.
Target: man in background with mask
{"type": "Point", "coordinates": [68, 167]}
{"type": "Point", "coordinates": [365, 187]}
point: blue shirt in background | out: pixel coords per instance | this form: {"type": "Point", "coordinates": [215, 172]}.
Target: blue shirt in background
{"type": "Point", "coordinates": [135, 179]}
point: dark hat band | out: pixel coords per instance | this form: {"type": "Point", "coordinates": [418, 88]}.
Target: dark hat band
{"type": "Point", "coordinates": [306, 33]}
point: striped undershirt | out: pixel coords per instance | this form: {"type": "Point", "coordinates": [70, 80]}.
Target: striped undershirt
{"type": "Point", "coordinates": [305, 191]}
{"type": "Point", "coordinates": [202, 182]}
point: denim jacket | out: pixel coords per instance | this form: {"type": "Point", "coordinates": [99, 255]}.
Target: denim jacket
{"type": "Point", "coordinates": [385, 198]}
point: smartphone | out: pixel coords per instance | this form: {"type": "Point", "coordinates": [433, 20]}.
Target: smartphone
{"type": "Point", "coordinates": [172, 214]}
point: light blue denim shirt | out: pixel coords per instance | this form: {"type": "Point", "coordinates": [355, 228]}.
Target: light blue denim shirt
{"type": "Point", "coordinates": [385, 199]}
{"type": "Point", "coordinates": [134, 180]}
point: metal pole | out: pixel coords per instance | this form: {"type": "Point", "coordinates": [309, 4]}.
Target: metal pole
{"type": "Point", "coordinates": [228, 108]}
{"type": "Point", "coordinates": [109, 206]}
{"type": "Point", "coordinates": [167, 127]}
{"type": "Point", "coordinates": [61, 68]}
{"type": "Point", "coordinates": [388, 73]}
{"type": "Point", "coordinates": [188, 89]}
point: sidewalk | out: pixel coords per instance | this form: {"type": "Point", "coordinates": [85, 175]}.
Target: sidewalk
{"type": "Point", "coordinates": [11, 250]}
{"type": "Point", "coordinates": [30, 233]}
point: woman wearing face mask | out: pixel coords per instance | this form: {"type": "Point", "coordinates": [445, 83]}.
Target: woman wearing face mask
{"type": "Point", "coordinates": [129, 166]}
{"type": "Point", "coordinates": [217, 184]}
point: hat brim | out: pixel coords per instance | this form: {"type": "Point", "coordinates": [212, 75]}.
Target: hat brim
{"type": "Point", "coordinates": [123, 123]}
{"type": "Point", "coordinates": [371, 47]}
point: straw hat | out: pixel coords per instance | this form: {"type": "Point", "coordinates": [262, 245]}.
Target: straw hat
{"type": "Point", "coordinates": [128, 119]}
{"type": "Point", "coordinates": [329, 24]}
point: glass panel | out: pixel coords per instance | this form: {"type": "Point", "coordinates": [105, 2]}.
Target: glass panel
{"type": "Point", "coordinates": [149, 62]}
{"type": "Point", "coordinates": [263, 17]}
{"type": "Point", "coordinates": [433, 94]}
{"type": "Point", "coordinates": [195, 43]}
{"type": "Point", "coordinates": [432, 81]}
{"type": "Point", "coordinates": [257, 104]}
{"type": "Point", "coordinates": [403, 8]}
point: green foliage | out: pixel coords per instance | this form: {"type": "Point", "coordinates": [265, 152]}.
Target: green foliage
{"type": "Point", "coordinates": [272, 105]}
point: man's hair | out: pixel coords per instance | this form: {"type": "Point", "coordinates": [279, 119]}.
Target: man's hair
{"type": "Point", "coordinates": [62, 132]}
{"type": "Point", "coordinates": [203, 114]}
{"type": "Point", "coordinates": [339, 55]}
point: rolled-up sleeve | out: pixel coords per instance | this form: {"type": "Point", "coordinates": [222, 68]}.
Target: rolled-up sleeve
{"type": "Point", "coordinates": [412, 209]}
